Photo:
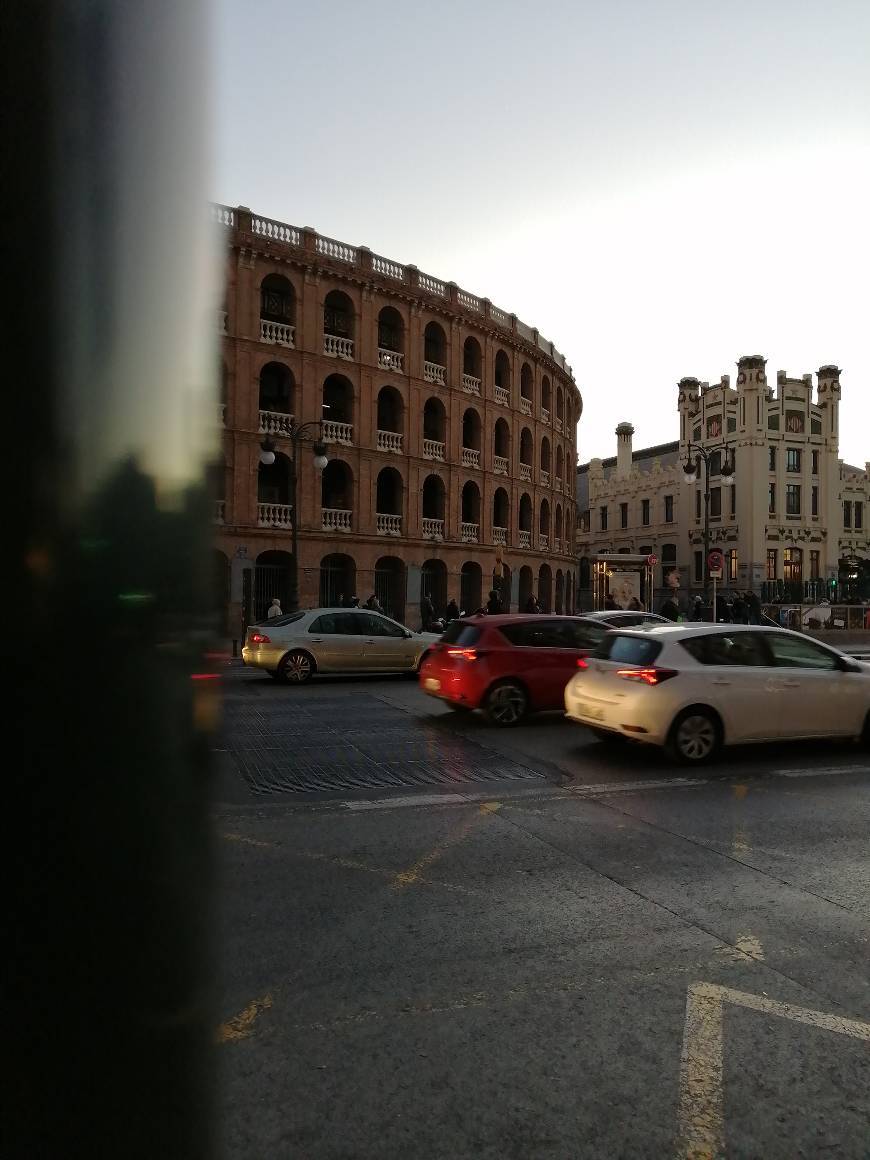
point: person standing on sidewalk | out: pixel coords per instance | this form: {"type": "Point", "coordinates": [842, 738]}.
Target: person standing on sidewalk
{"type": "Point", "coordinates": [274, 609]}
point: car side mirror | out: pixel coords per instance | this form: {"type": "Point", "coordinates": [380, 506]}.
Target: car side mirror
{"type": "Point", "coordinates": [408, 634]}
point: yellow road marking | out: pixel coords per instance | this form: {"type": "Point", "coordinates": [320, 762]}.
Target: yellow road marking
{"type": "Point", "coordinates": [412, 874]}
{"type": "Point", "coordinates": [247, 841]}
{"type": "Point", "coordinates": [701, 1130]}
{"type": "Point", "coordinates": [241, 1026]}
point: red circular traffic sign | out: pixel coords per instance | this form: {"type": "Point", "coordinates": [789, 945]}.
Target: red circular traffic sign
{"type": "Point", "coordinates": [652, 561]}
{"type": "Point", "coordinates": [715, 561]}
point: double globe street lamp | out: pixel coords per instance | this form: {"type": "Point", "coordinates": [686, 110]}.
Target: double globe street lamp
{"type": "Point", "coordinates": [296, 434]}
{"type": "Point", "coordinates": [691, 470]}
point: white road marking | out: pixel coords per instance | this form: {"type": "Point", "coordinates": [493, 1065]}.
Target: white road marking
{"type": "Point", "coordinates": [701, 1127]}
{"type": "Point", "coordinates": [822, 771]}
{"type": "Point", "coordinates": [632, 786]}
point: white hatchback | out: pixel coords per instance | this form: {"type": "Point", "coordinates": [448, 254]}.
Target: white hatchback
{"type": "Point", "coordinates": [693, 688]}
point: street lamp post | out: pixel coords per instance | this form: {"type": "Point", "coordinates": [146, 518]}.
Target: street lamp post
{"type": "Point", "coordinates": [690, 474]}
{"type": "Point", "coordinates": [297, 434]}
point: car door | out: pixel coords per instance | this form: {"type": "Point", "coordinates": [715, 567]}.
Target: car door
{"type": "Point", "coordinates": [738, 678]}
{"type": "Point", "coordinates": [818, 698]}
{"type": "Point", "coordinates": [386, 644]}
{"type": "Point", "coordinates": [334, 642]}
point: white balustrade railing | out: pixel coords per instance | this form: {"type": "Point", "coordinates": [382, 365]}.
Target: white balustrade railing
{"type": "Point", "coordinates": [222, 322]}
{"type": "Point", "coordinates": [433, 449]}
{"type": "Point", "coordinates": [499, 465]}
{"type": "Point", "coordinates": [525, 539]}
{"type": "Point", "coordinates": [281, 333]}
{"type": "Point", "coordinates": [335, 519]}
{"type": "Point", "coordinates": [277, 231]}
{"type": "Point", "coordinates": [222, 414]}
{"type": "Point", "coordinates": [545, 478]}
{"type": "Point", "coordinates": [338, 432]}
{"type": "Point", "coordinates": [388, 267]}
{"type": "Point", "coordinates": [337, 346]}
{"type": "Point", "coordinates": [433, 528]}
{"type": "Point", "coordinates": [220, 507]}
{"type": "Point", "coordinates": [557, 423]}
{"type": "Point", "coordinates": [274, 515]}
{"type": "Point", "coordinates": [500, 316]}
{"type": "Point", "coordinates": [470, 457]}
{"type": "Point", "coordinates": [470, 385]}
{"type": "Point", "coordinates": [502, 395]}
{"type": "Point", "coordinates": [390, 441]}
{"type": "Point", "coordinates": [543, 542]}
{"type": "Point", "coordinates": [434, 373]}
{"type": "Point", "coordinates": [223, 215]}
{"type": "Point", "coordinates": [557, 544]}
{"type": "Point", "coordinates": [390, 360]}
{"type": "Point", "coordinates": [559, 486]}
{"type": "Point", "coordinates": [469, 301]}
{"type": "Point", "coordinates": [432, 285]}
{"type": "Point", "coordinates": [526, 472]}
{"type": "Point", "coordinates": [525, 405]}
{"type": "Point", "coordinates": [276, 423]}
{"type": "Point", "coordinates": [545, 414]}
{"type": "Point", "coordinates": [330, 248]}
{"type": "Point", "coordinates": [388, 525]}
{"type": "Point", "coordinates": [470, 533]}
{"type": "Point", "coordinates": [499, 536]}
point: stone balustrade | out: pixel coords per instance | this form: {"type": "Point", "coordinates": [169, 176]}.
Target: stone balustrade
{"type": "Point", "coordinates": [433, 449]}
{"type": "Point", "coordinates": [470, 457]}
{"type": "Point", "coordinates": [525, 539]}
{"type": "Point", "coordinates": [338, 347]}
{"type": "Point", "coordinates": [335, 519]}
{"type": "Point", "coordinates": [390, 441]}
{"type": "Point", "coordinates": [276, 423]}
{"type": "Point", "coordinates": [435, 373]}
{"type": "Point", "coordinates": [470, 385]}
{"type": "Point", "coordinates": [470, 533]}
{"type": "Point", "coordinates": [526, 472]}
{"type": "Point", "coordinates": [390, 360]}
{"type": "Point", "coordinates": [281, 333]}
{"type": "Point", "coordinates": [545, 478]}
{"type": "Point", "coordinates": [433, 528]}
{"type": "Point", "coordinates": [388, 525]}
{"type": "Point", "coordinates": [502, 395]}
{"type": "Point", "coordinates": [338, 432]}
{"type": "Point", "coordinates": [544, 542]}
{"type": "Point", "coordinates": [525, 405]}
{"type": "Point", "coordinates": [557, 423]}
{"type": "Point", "coordinates": [499, 465]}
{"type": "Point", "coordinates": [274, 515]}
{"type": "Point", "coordinates": [545, 415]}
{"type": "Point", "coordinates": [499, 536]}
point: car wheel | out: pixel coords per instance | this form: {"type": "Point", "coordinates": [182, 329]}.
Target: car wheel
{"type": "Point", "coordinates": [506, 704]}
{"type": "Point", "coordinates": [695, 737]}
{"type": "Point", "coordinates": [296, 668]}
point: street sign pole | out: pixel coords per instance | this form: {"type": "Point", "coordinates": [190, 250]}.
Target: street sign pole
{"type": "Point", "coordinates": [713, 574]}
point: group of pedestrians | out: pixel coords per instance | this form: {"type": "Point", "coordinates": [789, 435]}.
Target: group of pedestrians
{"type": "Point", "coordinates": [731, 608]}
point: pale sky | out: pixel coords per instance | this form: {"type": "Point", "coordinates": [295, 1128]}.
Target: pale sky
{"type": "Point", "coordinates": [660, 186]}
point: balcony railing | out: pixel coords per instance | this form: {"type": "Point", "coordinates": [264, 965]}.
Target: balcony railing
{"type": "Point", "coordinates": [390, 360]}
{"type": "Point", "coordinates": [499, 465]}
{"type": "Point", "coordinates": [545, 414]}
{"type": "Point", "coordinates": [276, 423]}
{"type": "Point", "coordinates": [388, 525]}
{"type": "Point", "coordinates": [557, 544]}
{"type": "Point", "coordinates": [222, 322]}
{"type": "Point", "coordinates": [335, 519]}
{"type": "Point", "coordinates": [432, 449]}
{"type": "Point", "coordinates": [499, 536]}
{"type": "Point", "coordinates": [274, 515]}
{"type": "Point", "coordinates": [525, 539]}
{"type": "Point", "coordinates": [435, 373]}
{"type": "Point", "coordinates": [557, 423]}
{"type": "Point", "coordinates": [281, 333]}
{"type": "Point", "coordinates": [526, 472]}
{"type": "Point", "coordinates": [559, 486]}
{"type": "Point", "coordinates": [545, 478]}
{"type": "Point", "coordinates": [525, 405]}
{"type": "Point", "coordinates": [470, 533]}
{"type": "Point", "coordinates": [543, 541]}
{"type": "Point", "coordinates": [470, 385]}
{"type": "Point", "coordinates": [220, 508]}
{"type": "Point", "coordinates": [222, 414]}
{"type": "Point", "coordinates": [338, 432]}
{"type": "Point", "coordinates": [502, 395]}
{"type": "Point", "coordinates": [338, 347]}
{"type": "Point", "coordinates": [434, 528]}
{"type": "Point", "coordinates": [470, 457]}
{"type": "Point", "coordinates": [390, 441]}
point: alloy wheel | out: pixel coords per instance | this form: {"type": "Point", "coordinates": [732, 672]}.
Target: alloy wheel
{"type": "Point", "coordinates": [506, 704]}
{"type": "Point", "coordinates": [296, 668]}
{"type": "Point", "coordinates": [696, 737]}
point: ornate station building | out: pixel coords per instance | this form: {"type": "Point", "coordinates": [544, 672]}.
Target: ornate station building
{"type": "Point", "coordinates": [450, 430]}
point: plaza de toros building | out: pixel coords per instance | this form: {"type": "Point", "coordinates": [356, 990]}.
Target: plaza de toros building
{"type": "Point", "coordinates": [450, 426]}
{"type": "Point", "coordinates": [792, 524]}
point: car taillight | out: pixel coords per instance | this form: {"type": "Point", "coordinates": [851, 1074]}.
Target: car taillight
{"type": "Point", "coordinates": [648, 676]}
{"type": "Point", "coordinates": [467, 654]}
{"type": "Point", "coordinates": [582, 663]}
{"type": "Point", "coordinates": [259, 638]}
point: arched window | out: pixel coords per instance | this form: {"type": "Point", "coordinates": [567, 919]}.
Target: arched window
{"type": "Point", "coordinates": [502, 371]}
{"type": "Point", "coordinates": [545, 455]}
{"type": "Point", "coordinates": [434, 429]}
{"type": "Point", "coordinates": [545, 588]}
{"type": "Point", "coordinates": [338, 325]}
{"type": "Point", "coordinates": [527, 388]}
{"type": "Point", "coordinates": [336, 494]}
{"type": "Point", "coordinates": [472, 359]}
{"type": "Point", "coordinates": [502, 444]}
{"type": "Point", "coordinates": [545, 397]}
{"type": "Point", "coordinates": [389, 495]}
{"type": "Point", "coordinates": [560, 465]}
{"type": "Point", "coordinates": [276, 399]}
{"type": "Point", "coordinates": [434, 353]}
{"type": "Point", "coordinates": [560, 406]}
{"type": "Point", "coordinates": [470, 504]}
{"type": "Point", "coordinates": [277, 299]}
{"type": "Point", "coordinates": [337, 403]}
{"type": "Point", "coordinates": [470, 587]}
{"type": "Point", "coordinates": [433, 499]}
{"type": "Point", "coordinates": [390, 586]}
{"type": "Point", "coordinates": [471, 431]}
{"type": "Point", "coordinates": [525, 513]}
{"type": "Point", "coordinates": [544, 522]}
{"type": "Point", "coordinates": [526, 453]}
{"type": "Point", "coordinates": [501, 514]}
{"type": "Point", "coordinates": [337, 580]}
{"type": "Point", "coordinates": [390, 415]}
{"type": "Point", "coordinates": [391, 330]}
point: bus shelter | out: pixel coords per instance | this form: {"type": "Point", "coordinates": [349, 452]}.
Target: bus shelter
{"type": "Point", "coordinates": [624, 577]}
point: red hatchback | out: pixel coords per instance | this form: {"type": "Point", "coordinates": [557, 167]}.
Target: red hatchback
{"type": "Point", "coordinates": [508, 665]}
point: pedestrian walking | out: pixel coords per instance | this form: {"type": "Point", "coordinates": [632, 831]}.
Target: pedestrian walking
{"type": "Point", "coordinates": [374, 604]}
{"type": "Point", "coordinates": [452, 611]}
{"type": "Point", "coordinates": [739, 610]}
{"type": "Point", "coordinates": [274, 609]}
{"type": "Point", "coordinates": [670, 609]}
{"type": "Point", "coordinates": [610, 604]}
{"type": "Point", "coordinates": [427, 611]}
{"type": "Point", "coordinates": [697, 609]}
{"type": "Point", "coordinates": [753, 604]}
{"type": "Point", "coordinates": [532, 604]}
{"type": "Point", "coordinates": [493, 605]}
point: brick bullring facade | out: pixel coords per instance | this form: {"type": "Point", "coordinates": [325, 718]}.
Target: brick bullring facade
{"type": "Point", "coordinates": [451, 429]}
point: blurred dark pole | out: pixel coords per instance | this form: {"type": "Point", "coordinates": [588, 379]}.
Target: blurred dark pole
{"type": "Point", "coordinates": [109, 316]}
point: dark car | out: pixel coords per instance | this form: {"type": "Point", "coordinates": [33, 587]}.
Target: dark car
{"type": "Point", "coordinates": [508, 665]}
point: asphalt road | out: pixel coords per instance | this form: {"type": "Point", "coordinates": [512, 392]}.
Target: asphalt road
{"type": "Point", "coordinates": [438, 940]}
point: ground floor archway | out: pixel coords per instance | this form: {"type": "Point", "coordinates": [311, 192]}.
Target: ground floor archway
{"type": "Point", "coordinates": [390, 586]}
{"type": "Point", "coordinates": [526, 587]}
{"type": "Point", "coordinates": [271, 579]}
{"type": "Point", "coordinates": [433, 583]}
{"type": "Point", "coordinates": [545, 588]}
{"type": "Point", "coordinates": [470, 587]}
{"type": "Point", "coordinates": [337, 580]}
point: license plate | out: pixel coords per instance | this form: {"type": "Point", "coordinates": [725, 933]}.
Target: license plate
{"type": "Point", "coordinates": [593, 712]}
{"type": "Point", "coordinates": [432, 684]}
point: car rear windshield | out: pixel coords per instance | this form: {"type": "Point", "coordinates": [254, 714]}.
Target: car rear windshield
{"type": "Point", "coordinates": [460, 632]}
{"type": "Point", "coordinates": [628, 650]}
{"type": "Point", "coordinates": [280, 621]}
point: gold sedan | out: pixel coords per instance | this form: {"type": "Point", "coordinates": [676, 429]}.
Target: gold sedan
{"type": "Point", "coordinates": [295, 646]}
